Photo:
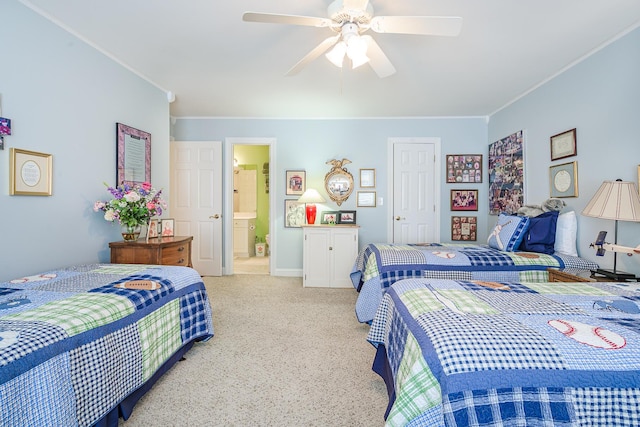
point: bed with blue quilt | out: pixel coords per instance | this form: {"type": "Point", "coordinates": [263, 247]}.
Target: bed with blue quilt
{"type": "Point", "coordinates": [486, 353]}
{"type": "Point", "coordinates": [80, 345]}
{"type": "Point", "coordinates": [379, 265]}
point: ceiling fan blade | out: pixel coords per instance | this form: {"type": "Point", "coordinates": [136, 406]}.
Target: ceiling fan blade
{"type": "Point", "coordinates": [422, 25]}
{"type": "Point", "coordinates": [315, 52]}
{"type": "Point", "coordinates": [377, 59]}
{"type": "Point", "coordinates": [276, 18]}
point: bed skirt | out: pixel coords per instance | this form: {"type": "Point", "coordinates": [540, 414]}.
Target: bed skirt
{"type": "Point", "coordinates": [125, 407]}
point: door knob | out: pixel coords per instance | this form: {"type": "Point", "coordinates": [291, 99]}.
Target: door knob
{"type": "Point", "coordinates": [216, 216]}
{"type": "Point", "coordinates": [398, 218]}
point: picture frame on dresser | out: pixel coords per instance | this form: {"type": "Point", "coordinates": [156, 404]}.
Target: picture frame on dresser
{"type": "Point", "coordinates": [152, 230]}
{"type": "Point", "coordinates": [167, 226]}
{"type": "Point", "coordinates": [347, 217]}
{"type": "Point", "coordinates": [330, 217]}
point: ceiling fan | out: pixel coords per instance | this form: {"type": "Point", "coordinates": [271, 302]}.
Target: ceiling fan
{"type": "Point", "coordinates": [349, 19]}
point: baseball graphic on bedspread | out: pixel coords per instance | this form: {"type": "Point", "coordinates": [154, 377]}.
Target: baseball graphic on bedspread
{"type": "Point", "coordinates": [444, 254]}
{"type": "Point", "coordinates": [593, 336]}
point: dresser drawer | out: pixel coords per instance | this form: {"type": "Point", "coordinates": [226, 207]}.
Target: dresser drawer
{"type": "Point", "coordinates": [176, 255]}
{"type": "Point", "coordinates": [160, 250]}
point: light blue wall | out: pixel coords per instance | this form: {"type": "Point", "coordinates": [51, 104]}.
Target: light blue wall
{"type": "Point", "coordinates": [309, 144]}
{"type": "Point", "coordinates": [600, 97]}
{"type": "Point", "coordinates": [64, 98]}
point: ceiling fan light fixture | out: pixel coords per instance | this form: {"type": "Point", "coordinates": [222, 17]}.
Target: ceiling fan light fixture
{"type": "Point", "coordinates": [336, 55]}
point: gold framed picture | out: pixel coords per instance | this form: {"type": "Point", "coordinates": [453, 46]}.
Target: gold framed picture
{"type": "Point", "coordinates": [564, 180]}
{"type": "Point", "coordinates": [367, 178]}
{"type": "Point", "coordinates": [30, 173]}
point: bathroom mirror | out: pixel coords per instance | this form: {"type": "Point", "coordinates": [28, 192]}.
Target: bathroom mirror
{"type": "Point", "coordinates": [338, 182]}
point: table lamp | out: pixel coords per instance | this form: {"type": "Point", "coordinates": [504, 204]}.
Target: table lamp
{"type": "Point", "coordinates": [310, 197]}
{"type": "Point", "coordinates": [617, 200]}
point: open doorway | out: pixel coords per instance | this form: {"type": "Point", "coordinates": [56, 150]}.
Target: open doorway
{"type": "Point", "coordinates": [251, 208]}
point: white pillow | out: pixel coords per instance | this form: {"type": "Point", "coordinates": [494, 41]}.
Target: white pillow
{"type": "Point", "coordinates": [566, 234]}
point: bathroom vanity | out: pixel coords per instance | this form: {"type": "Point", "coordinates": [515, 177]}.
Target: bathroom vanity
{"type": "Point", "coordinates": [244, 234]}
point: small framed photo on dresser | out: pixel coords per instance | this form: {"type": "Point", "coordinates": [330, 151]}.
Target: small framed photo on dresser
{"type": "Point", "coordinates": [167, 227]}
{"type": "Point", "coordinates": [152, 231]}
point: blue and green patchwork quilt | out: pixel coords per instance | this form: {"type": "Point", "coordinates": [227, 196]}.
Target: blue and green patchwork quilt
{"type": "Point", "coordinates": [75, 342]}
{"type": "Point", "coordinates": [379, 265]}
{"type": "Point", "coordinates": [488, 353]}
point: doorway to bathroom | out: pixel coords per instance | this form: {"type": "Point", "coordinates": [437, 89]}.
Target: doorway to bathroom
{"type": "Point", "coordinates": [251, 208]}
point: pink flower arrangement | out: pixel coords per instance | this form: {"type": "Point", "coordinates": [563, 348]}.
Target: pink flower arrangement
{"type": "Point", "coordinates": [132, 205]}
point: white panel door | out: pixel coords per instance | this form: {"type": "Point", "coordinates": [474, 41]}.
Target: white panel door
{"type": "Point", "coordinates": [196, 201]}
{"type": "Point", "coordinates": [415, 218]}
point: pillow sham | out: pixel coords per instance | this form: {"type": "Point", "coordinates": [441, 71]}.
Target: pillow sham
{"type": "Point", "coordinates": [508, 232]}
{"type": "Point", "coordinates": [566, 234]}
{"type": "Point", "coordinates": [541, 235]}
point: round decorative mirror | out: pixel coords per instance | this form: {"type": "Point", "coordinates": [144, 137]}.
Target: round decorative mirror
{"type": "Point", "coordinates": [338, 181]}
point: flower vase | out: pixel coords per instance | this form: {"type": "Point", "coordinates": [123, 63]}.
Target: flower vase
{"type": "Point", "coordinates": [130, 233]}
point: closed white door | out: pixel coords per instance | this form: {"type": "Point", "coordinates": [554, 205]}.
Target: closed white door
{"type": "Point", "coordinates": [196, 201]}
{"type": "Point", "coordinates": [415, 191]}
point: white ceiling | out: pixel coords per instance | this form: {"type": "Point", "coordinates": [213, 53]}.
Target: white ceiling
{"type": "Point", "coordinates": [219, 66]}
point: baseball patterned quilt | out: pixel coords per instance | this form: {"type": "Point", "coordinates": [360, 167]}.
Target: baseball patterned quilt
{"type": "Point", "coordinates": [379, 265]}
{"type": "Point", "coordinates": [75, 342]}
{"type": "Point", "coordinates": [487, 353]}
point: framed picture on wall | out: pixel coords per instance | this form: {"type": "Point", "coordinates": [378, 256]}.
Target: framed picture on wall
{"type": "Point", "coordinates": [294, 215]}
{"type": "Point", "coordinates": [464, 200]}
{"type": "Point", "coordinates": [464, 228]}
{"type": "Point", "coordinates": [367, 178]}
{"type": "Point", "coordinates": [296, 182]}
{"type": "Point", "coordinates": [563, 145]}
{"type": "Point", "coordinates": [133, 155]}
{"type": "Point", "coordinates": [463, 168]}
{"type": "Point", "coordinates": [506, 174]}
{"type": "Point", "coordinates": [564, 180]}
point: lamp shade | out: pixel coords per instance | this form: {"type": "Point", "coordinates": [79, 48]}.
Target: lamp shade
{"type": "Point", "coordinates": [310, 197]}
{"type": "Point", "coordinates": [617, 200]}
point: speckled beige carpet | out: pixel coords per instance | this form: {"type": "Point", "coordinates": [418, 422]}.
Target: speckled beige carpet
{"type": "Point", "coordinates": [282, 355]}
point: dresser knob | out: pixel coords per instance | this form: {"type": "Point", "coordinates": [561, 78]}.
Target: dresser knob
{"type": "Point", "coordinates": [181, 248]}
{"type": "Point", "coordinates": [181, 261]}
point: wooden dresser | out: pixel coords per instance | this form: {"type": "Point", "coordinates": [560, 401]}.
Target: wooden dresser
{"type": "Point", "coordinates": [162, 250]}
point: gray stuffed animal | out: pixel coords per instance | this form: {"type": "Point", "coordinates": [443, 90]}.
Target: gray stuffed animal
{"type": "Point", "coordinates": [552, 204]}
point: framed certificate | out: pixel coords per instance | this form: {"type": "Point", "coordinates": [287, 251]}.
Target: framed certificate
{"type": "Point", "coordinates": [29, 173]}
{"type": "Point", "coordinates": [563, 145]}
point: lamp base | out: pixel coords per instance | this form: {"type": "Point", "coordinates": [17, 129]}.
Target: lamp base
{"type": "Point", "coordinates": [311, 213]}
{"type": "Point", "coordinates": [614, 275]}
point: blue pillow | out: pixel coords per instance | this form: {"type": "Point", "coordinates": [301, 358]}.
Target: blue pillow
{"type": "Point", "coordinates": [541, 234]}
{"type": "Point", "coordinates": [508, 232]}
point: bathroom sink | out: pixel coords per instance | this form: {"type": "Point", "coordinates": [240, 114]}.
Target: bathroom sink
{"type": "Point", "coordinates": [244, 215]}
